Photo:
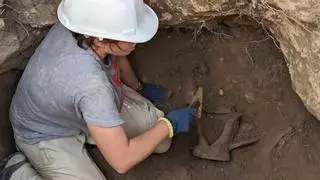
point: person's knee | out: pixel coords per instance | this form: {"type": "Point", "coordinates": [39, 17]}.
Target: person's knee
{"type": "Point", "coordinates": [163, 147]}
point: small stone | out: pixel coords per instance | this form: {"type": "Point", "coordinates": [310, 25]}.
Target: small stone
{"type": "Point", "coordinates": [221, 92]}
{"type": "Point", "coordinates": [179, 88]}
{"type": "Point", "coordinates": [221, 60]}
{"type": "Point", "coordinates": [250, 98]}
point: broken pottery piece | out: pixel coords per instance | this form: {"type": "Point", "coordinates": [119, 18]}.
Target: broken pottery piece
{"type": "Point", "coordinates": [219, 150]}
{"type": "Point", "coordinates": [230, 138]}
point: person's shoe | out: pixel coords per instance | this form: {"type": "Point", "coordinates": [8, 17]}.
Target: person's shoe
{"type": "Point", "coordinates": [11, 164]}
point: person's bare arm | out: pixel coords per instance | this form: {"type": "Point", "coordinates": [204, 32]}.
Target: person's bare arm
{"type": "Point", "coordinates": [120, 152]}
{"type": "Point", "coordinates": [128, 76]}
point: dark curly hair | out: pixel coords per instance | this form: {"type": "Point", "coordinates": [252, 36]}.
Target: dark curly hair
{"type": "Point", "coordinates": [81, 40]}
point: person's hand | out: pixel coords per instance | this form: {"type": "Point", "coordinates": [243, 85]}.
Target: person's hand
{"type": "Point", "coordinates": [153, 92]}
{"type": "Point", "coordinates": [180, 119]}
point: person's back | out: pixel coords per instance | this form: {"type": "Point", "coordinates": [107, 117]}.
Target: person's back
{"type": "Point", "coordinates": [44, 105]}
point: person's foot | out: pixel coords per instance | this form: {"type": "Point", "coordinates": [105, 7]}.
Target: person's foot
{"type": "Point", "coordinates": [11, 164]}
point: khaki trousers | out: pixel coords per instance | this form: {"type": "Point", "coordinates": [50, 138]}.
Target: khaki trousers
{"type": "Point", "coordinates": [67, 158]}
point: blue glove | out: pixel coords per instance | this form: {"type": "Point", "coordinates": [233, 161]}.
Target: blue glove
{"type": "Point", "coordinates": [153, 92]}
{"type": "Point", "coordinates": [180, 119]}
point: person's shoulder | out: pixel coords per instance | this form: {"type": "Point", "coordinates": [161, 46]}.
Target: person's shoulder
{"type": "Point", "coordinates": [84, 74]}
{"type": "Point", "coordinates": [59, 41]}
{"type": "Point", "coordinates": [57, 31]}
{"type": "Point", "coordinates": [84, 62]}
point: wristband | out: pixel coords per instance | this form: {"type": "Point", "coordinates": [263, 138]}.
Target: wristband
{"type": "Point", "coordinates": [168, 123]}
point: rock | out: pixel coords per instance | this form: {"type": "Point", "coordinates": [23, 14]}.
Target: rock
{"type": "Point", "coordinates": [37, 13]}
{"type": "Point", "coordinates": [299, 38]}
{"type": "Point", "coordinates": [221, 92]}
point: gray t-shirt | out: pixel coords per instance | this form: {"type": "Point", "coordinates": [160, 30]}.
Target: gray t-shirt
{"type": "Point", "coordinates": [62, 87]}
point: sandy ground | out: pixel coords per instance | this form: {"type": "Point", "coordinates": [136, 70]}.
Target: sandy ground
{"type": "Point", "coordinates": [240, 68]}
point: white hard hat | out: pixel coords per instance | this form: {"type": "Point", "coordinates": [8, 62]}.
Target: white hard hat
{"type": "Point", "coordinates": [123, 20]}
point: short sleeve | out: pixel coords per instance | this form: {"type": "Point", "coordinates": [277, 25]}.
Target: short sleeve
{"type": "Point", "coordinates": [97, 107]}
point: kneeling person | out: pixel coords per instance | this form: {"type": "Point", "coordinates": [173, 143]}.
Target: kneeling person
{"type": "Point", "coordinates": [79, 83]}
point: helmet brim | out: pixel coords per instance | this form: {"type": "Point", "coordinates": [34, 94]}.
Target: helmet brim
{"type": "Point", "coordinates": [147, 28]}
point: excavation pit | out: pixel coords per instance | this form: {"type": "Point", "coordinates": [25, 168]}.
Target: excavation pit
{"type": "Point", "coordinates": [240, 67]}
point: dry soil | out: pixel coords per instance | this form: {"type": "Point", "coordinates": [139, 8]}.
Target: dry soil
{"type": "Point", "coordinates": [239, 67]}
